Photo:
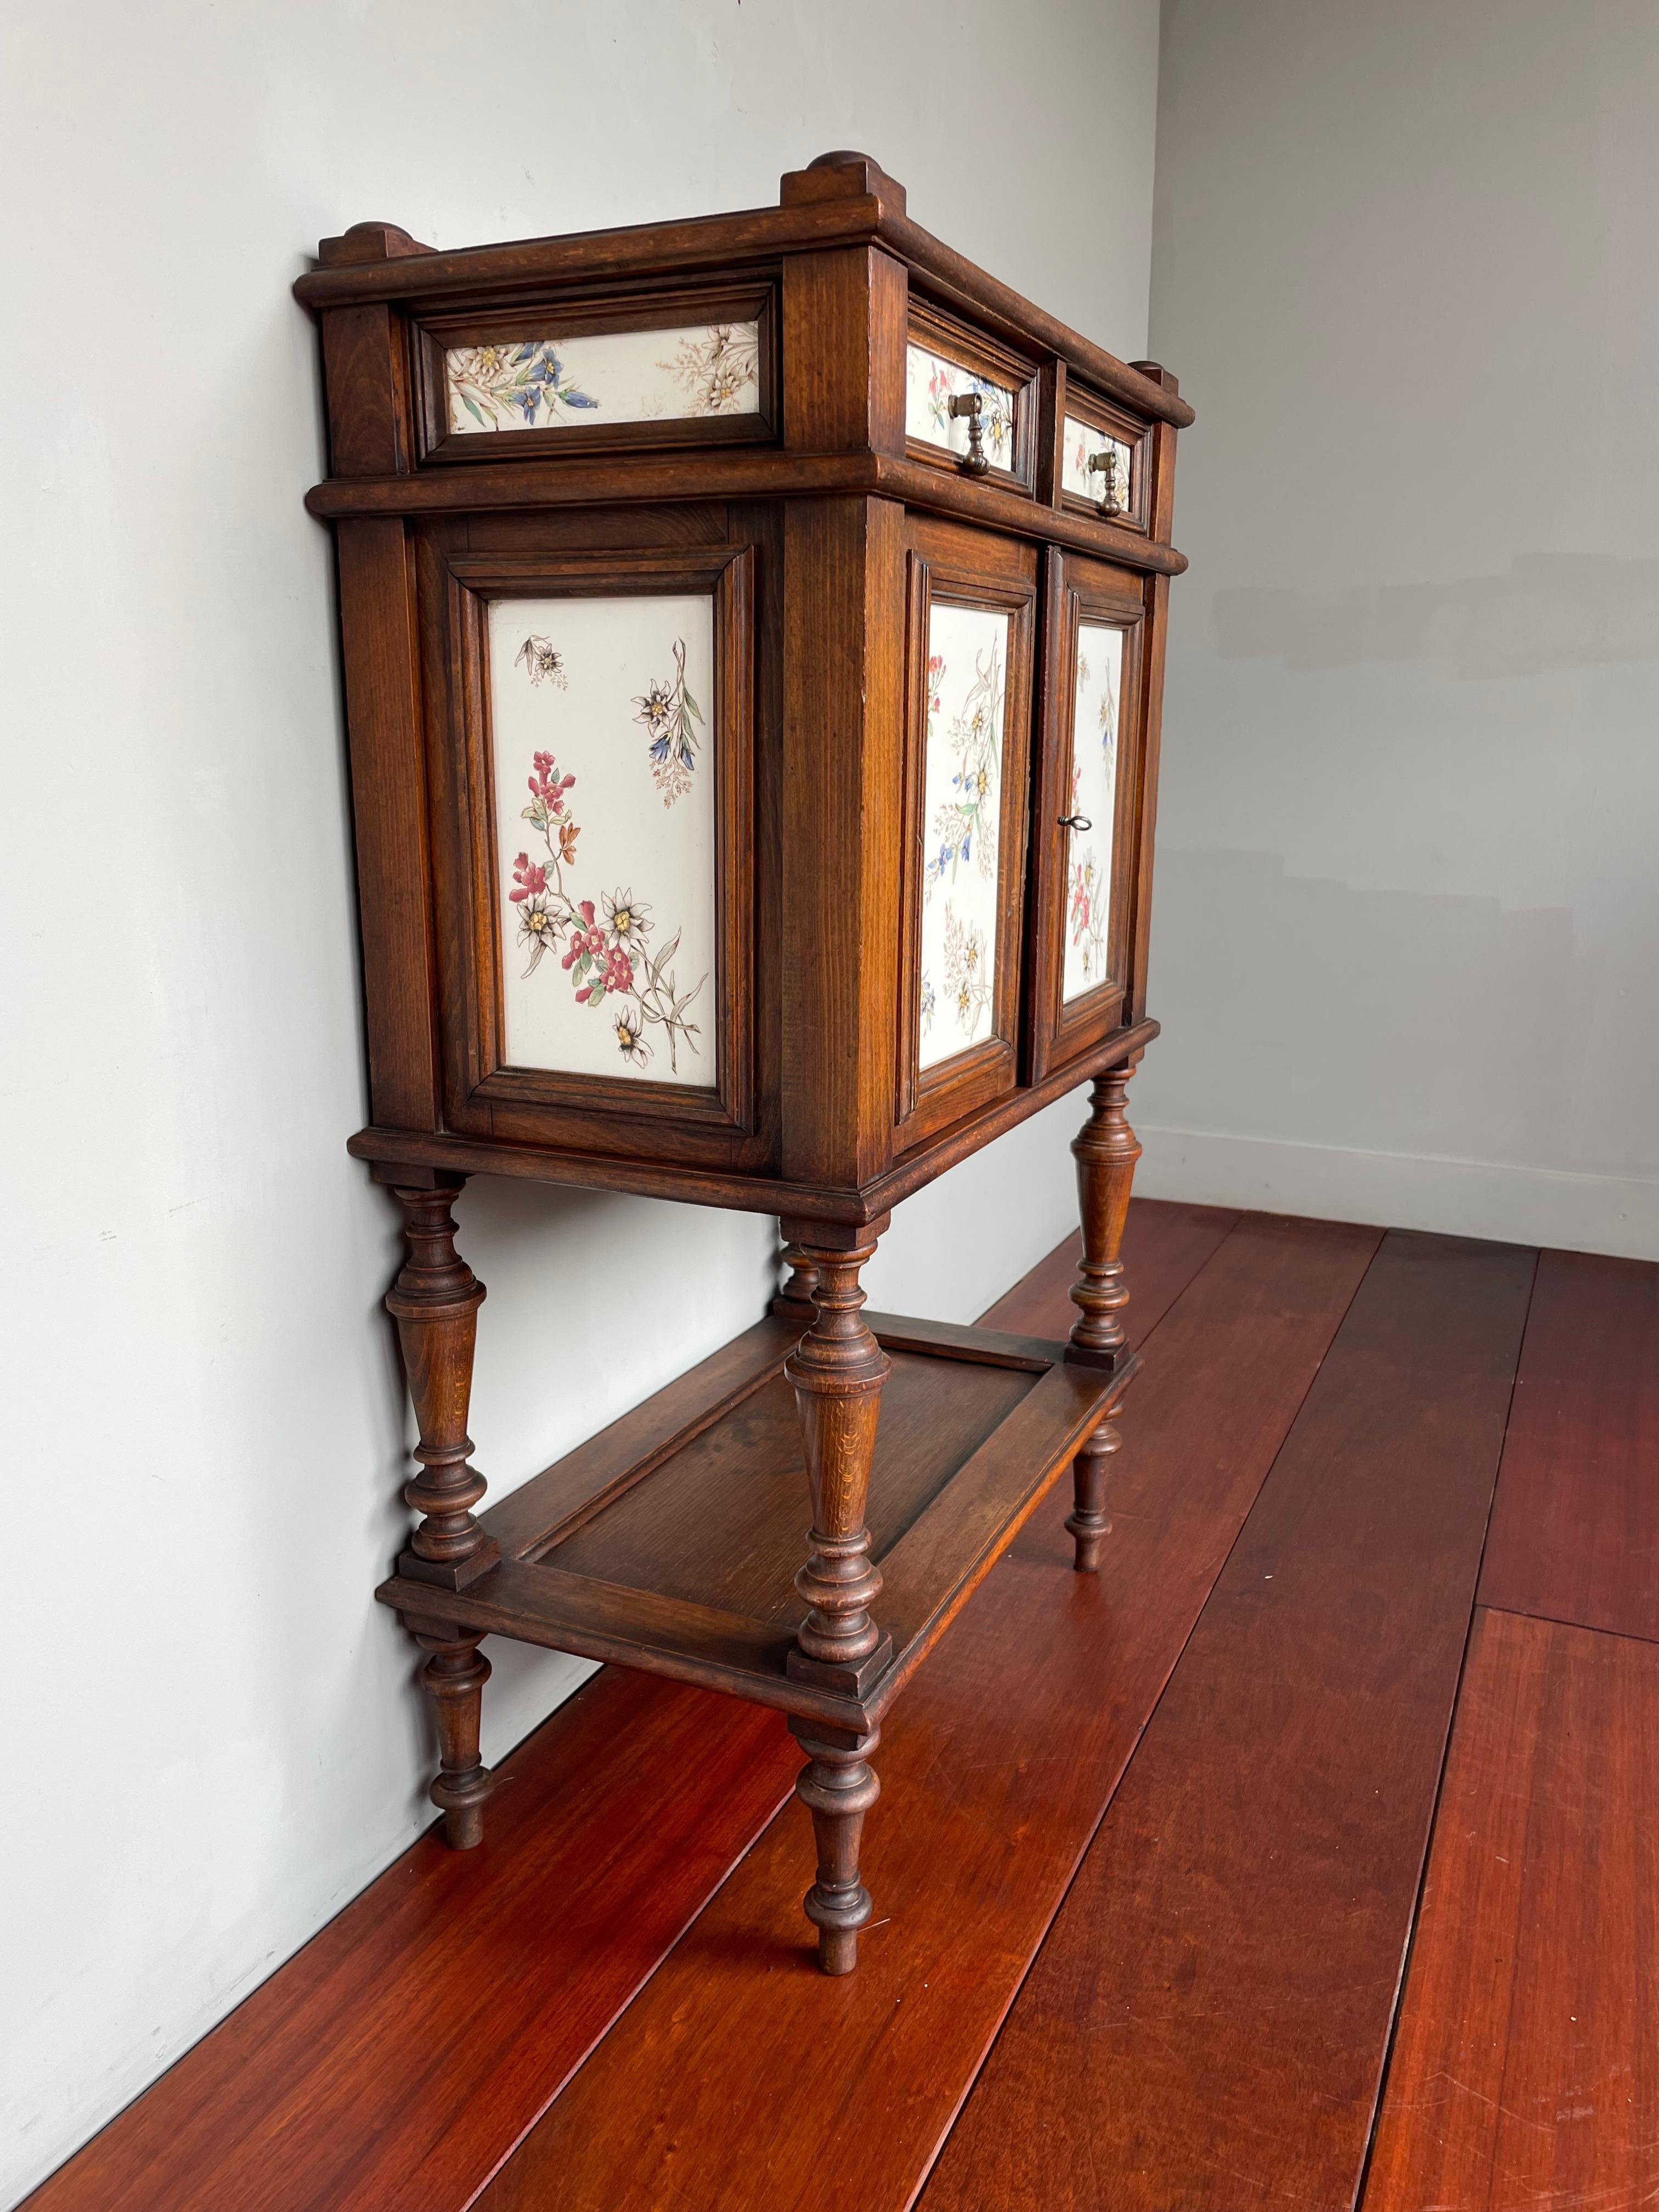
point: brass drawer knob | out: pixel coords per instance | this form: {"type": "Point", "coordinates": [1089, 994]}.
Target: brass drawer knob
{"type": "Point", "coordinates": [969, 405]}
{"type": "Point", "coordinates": [1109, 503]}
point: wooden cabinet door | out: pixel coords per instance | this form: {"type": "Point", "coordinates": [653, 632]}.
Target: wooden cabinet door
{"type": "Point", "coordinates": [1089, 800]}
{"type": "Point", "coordinates": [971, 609]}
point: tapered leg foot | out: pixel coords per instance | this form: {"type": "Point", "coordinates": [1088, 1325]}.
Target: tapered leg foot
{"type": "Point", "coordinates": [838, 1786]}
{"type": "Point", "coordinates": [453, 1678]}
{"type": "Point", "coordinates": [1089, 1521]}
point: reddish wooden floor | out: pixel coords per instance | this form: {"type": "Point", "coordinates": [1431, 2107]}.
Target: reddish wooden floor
{"type": "Point", "coordinates": [1307, 1856]}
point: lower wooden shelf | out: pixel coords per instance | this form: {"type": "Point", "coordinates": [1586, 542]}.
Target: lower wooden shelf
{"type": "Point", "coordinates": [671, 1540]}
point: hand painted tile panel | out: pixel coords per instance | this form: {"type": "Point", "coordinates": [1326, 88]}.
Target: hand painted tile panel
{"type": "Point", "coordinates": [931, 383]}
{"type": "Point", "coordinates": [604, 771]}
{"type": "Point", "coordinates": [961, 811]}
{"type": "Point", "coordinates": [1094, 797]}
{"type": "Point", "coordinates": [606, 377]}
{"type": "Point", "coordinates": [1083, 440]}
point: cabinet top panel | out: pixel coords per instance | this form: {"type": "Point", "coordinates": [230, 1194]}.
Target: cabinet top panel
{"type": "Point", "coordinates": [841, 199]}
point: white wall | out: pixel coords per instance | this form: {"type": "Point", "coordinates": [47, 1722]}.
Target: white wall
{"type": "Point", "coordinates": [217, 1741]}
{"type": "Point", "coordinates": [1407, 925]}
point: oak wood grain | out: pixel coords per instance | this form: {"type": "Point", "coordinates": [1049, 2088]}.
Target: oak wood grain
{"type": "Point", "coordinates": [1013, 1737]}
{"type": "Point", "coordinates": [1207, 2021]}
{"type": "Point", "coordinates": [1575, 1530]}
{"type": "Point", "coordinates": [394, 2060]}
{"type": "Point", "coordinates": [1526, 2069]}
{"type": "Point", "coordinates": [732, 1532]}
{"type": "Point", "coordinates": [576, 1484]}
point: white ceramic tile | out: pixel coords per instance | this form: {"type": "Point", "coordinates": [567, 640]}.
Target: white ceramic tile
{"type": "Point", "coordinates": [603, 757]}
{"type": "Point", "coordinates": [1083, 440]}
{"type": "Point", "coordinates": [1094, 796]}
{"type": "Point", "coordinates": [931, 383]}
{"type": "Point", "coordinates": [609, 376]}
{"type": "Point", "coordinates": [962, 810]}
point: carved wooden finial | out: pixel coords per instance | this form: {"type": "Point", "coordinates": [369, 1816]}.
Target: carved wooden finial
{"type": "Point", "coordinates": [1155, 372]}
{"type": "Point", "coordinates": [368, 241]}
{"type": "Point", "coordinates": [840, 175]}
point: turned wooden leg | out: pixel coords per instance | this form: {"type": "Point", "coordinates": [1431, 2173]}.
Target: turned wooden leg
{"type": "Point", "coordinates": [795, 1301]}
{"type": "Point", "coordinates": [1089, 1521]}
{"type": "Point", "coordinates": [838, 1786]}
{"type": "Point", "coordinates": [837, 1370]}
{"type": "Point", "coordinates": [1106, 1151]}
{"type": "Point", "coordinates": [453, 1678]}
{"type": "Point", "coordinates": [436, 1301]}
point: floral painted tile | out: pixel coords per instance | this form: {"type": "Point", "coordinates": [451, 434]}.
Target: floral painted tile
{"type": "Point", "coordinates": [1094, 797]}
{"type": "Point", "coordinates": [608, 376]}
{"type": "Point", "coordinates": [1083, 441]}
{"type": "Point", "coordinates": [605, 830]}
{"type": "Point", "coordinates": [962, 810]}
{"type": "Point", "coordinates": [931, 383]}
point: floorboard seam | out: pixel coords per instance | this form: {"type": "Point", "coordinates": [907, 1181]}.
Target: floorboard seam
{"type": "Point", "coordinates": [1410, 1945]}
{"type": "Point", "coordinates": [1559, 1620]}
{"type": "Point", "coordinates": [1141, 1733]}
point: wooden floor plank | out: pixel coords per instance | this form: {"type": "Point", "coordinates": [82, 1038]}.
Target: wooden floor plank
{"type": "Point", "coordinates": [1164, 1246]}
{"type": "Point", "coordinates": [741, 2077]}
{"type": "Point", "coordinates": [1574, 1532]}
{"type": "Point", "coordinates": [1207, 2023]}
{"type": "Point", "coordinates": [1526, 2068]}
{"type": "Point", "coordinates": [392, 2062]}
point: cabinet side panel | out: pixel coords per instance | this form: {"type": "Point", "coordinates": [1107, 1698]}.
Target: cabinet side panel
{"type": "Point", "coordinates": [388, 786]}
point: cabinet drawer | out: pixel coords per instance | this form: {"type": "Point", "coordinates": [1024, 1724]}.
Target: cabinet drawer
{"type": "Point", "coordinates": [1094, 434]}
{"type": "Point", "coordinates": [947, 362]}
{"type": "Point", "coordinates": [687, 367]}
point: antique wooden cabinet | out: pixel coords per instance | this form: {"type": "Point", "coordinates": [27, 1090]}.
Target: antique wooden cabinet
{"type": "Point", "coordinates": [753, 635]}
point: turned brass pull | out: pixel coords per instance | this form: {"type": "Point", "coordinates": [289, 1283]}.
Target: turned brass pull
{"type": "Point", "coordinates": [1075, 822]}
{"type": "Point", "coordinates": [969, 405]}
{"type": "Point", "coordinates": [1109, 502]}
